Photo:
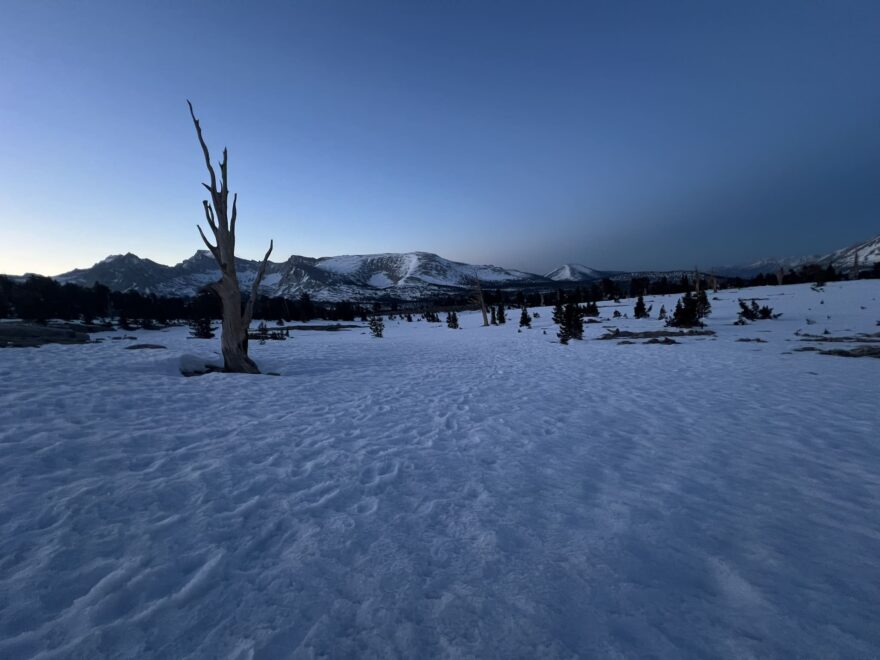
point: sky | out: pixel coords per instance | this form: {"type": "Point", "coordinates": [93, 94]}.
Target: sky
{"type": "Point", "coordinates": [620, 135]}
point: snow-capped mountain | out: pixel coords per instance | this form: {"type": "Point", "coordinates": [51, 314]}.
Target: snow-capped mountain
{"type": "Point", "coordinates": [868, 254]}
{"type": "Point", "coordinates": [121, 272]}
{"type": "Point", "coordinates": [405, 276]}
{"type": "Point", "coordinates": [768, 265]}
{"type": "Point", "coordinates": [842, 260]}
{"type": "Point", "coordinates": [574, 273]}
{"type": "Point", "coordinates": [402, 276]}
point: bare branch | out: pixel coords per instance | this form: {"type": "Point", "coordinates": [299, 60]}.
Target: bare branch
{"type": "Point", "coordinates": [192, 114]}
{"type": "Point", "coordinates": [209, 214]}
{"type": "Point", "coordinates": [224, 176]}
{"type": "Point", "coordinates": [249, 308]}
{"type": "Point", "coordinates": [212, 248]}
{"type": "Point", "coordinates": [233, 217]}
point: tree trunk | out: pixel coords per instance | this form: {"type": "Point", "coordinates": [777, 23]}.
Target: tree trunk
{"type": "Point", "coordinates": [478, 297]}
{"type": "Point", "coordinates": [233, 335]}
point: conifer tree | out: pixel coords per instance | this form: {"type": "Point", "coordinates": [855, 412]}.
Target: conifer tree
{"type": "Point", "coordinates": [525, 321]}
{"type": "Point", "coordinates": [564, 333]}
{"type": "Point", "coordinates": [640, 312]}
{"type": "Point", "coordinates": [201, 328]}
{"type": "Point", "coordinates": [662, 314]}
{"type": "Point", "coordinates": [377, 326]}
{"type": "Point", "coordinates": [686, 312]}
{"type": "Point", "coordinates": [558, 311]}
{"type": "Point", "coordinates": [572, 326]}
{"type": "Point", "coordinates": [704, 308]}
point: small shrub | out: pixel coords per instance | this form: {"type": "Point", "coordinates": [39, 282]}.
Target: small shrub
{"type": "Point", "coordinates": [753, 312]}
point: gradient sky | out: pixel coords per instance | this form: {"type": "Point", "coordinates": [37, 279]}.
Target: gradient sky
{"type": "Point", "coordinates": [616, 134]}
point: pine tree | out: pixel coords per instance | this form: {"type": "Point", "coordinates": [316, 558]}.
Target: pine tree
{"type": "Point", "coordinates": [640, 312]}
{"type": "Point", "coordinates": [686, 313]}
{"type": "Point", "coordinates": [704, 308]}
{"type": "Point", "coordinates": [377, 326]}
{"type": "Point", "coordinates": [662, 314]}
{"type": "Point", "coordinates": [558, 311]}
{"type": "Point", "coordinates": [201, 328]}
{"type": "Point", "coordinates": [572, 326]}
{"type": "Point", "coordinates": [525, 321]}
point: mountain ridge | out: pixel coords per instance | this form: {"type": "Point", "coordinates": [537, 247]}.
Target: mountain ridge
{"type": "Point", "coordinates": [398, 275]}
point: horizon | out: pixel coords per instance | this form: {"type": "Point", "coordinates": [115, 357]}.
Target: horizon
{"type": "Point", "coordinates": [623, 137]}
{"type": "Point", "coordinates": [280, 260]}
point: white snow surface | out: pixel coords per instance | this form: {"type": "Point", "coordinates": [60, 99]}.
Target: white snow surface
{"type": "Point", "coordinates": [480, 493]}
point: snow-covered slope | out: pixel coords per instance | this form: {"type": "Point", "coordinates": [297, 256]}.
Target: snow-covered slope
{"type": "Point", "coordinates": [574, 273]}
{"type": "Point", "coordinates": [473, 493]}
{"type": "Point", "coordinates": [868, 254]}
{"type": "Point", "coordinates": [405, 276]}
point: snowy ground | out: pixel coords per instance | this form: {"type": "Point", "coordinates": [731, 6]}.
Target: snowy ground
{"type": "Point", "coordinates": [476, 493]}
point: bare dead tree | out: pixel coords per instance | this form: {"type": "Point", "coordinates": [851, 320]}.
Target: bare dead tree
{"type": "Point", "coordinates": [478, 297]}
{"type": "Point", "coordinates": [855, 266]}
{"type": "Point", "coordinates": [221, 219]}
{"type": "Point", "coordinates": [696, 279]}
{"type": "Point", "coordinates": [780, 276]}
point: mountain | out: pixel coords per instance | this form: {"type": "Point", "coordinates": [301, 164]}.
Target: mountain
{"type": "Point", "coordinates": [574, 273]}
{"type": "Point", "coordinates": [842, 260]}
{"type": "Point", "coordinates": [121, 272]}
{"type": "Point", "coordinates": [769, 265]}
{"type": "Point", "coordinates": [403, 276]}
{"type": "Point", "coordinates": [868, 253]}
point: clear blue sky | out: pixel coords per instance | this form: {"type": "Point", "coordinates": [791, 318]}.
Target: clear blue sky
{"type": "Point", "coordinates": [616, 134]}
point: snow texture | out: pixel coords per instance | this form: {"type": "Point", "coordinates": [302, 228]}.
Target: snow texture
{"type": "Point", "coordinates": [481, 492]}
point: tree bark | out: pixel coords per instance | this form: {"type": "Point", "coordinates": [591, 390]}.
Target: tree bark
{"type": "Point", "coordinates": [221, 220]}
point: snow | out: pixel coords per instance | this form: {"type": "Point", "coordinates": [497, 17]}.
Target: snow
{"type": "Point", "coordinates": [380, 281]}
{"type": "Point", "coordinates": [573, 273]}
{"type": "Point", "coordinates": [438, 493]}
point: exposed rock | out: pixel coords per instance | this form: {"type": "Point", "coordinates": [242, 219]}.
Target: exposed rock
{"type": "Point", "coordinates": [860, 351]}
{"type": "Point", "coordinates": [654, 334]}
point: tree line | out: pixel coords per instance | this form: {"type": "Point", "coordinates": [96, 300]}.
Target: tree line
{"type": "Point", "coordinates": [38, 298]}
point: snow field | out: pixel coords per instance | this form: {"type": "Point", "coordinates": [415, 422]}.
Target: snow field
{"type": "Point", "coordinates": [438, 493]}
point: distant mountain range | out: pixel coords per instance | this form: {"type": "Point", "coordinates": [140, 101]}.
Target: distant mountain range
{"type": "Point", "coordinates": [401, 276]}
